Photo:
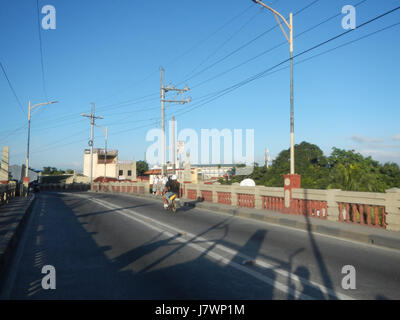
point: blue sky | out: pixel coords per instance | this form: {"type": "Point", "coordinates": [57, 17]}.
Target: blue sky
{"type": "Point", "coordinates": [109, 52]}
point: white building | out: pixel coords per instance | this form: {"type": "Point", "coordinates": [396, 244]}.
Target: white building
{"type": "Point", "coordinates": [107, 165]}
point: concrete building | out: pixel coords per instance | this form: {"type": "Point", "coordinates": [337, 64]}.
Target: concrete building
{"type": "Point", "coordinates": [198, 172]}
{"type": "Point", "coordinates": [211, 171]}
{"type": "Point", "coordinates": [4, 175]}
{"type": "Point", "coordinates": [108, 165]}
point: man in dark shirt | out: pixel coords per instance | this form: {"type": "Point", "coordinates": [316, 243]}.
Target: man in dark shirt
{"type": "Point", "coordinates": [172, 187]}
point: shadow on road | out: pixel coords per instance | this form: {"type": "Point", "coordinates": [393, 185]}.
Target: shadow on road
{"type": "Point", "coordinates": [95, 259]}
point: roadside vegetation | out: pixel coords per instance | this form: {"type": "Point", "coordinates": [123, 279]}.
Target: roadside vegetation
{"type": "Point", "coordinates": [342, 169]}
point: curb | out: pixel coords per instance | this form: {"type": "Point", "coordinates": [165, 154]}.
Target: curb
{"type": "Point", "coordinates": [13, 241]}
{"type": "Point", "coordinates": [362, 237]}
{"type": "Point", "coordinates": [328, 228]}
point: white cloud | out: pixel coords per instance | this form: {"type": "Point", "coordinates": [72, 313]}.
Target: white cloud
{"type": "Point", "coordinates": [397, 137]}
{"type": "Point", "coordinates": [382, 155]}
{"type": "Point", "coordinates": [362, 139]}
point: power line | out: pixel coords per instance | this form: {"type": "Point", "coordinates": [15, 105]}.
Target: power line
{"type": "Point", "coordinates": [203, 101]}
{"type": "Point", "coordinates": [220, 93]}
{"type": "Point", "coordinates": [215, 95]}
{"type": "Point", "coordinates": [270, 49]}
{"type": "Point", "coordinates": [212, 34]}
{"type": "Point", "coordinates": [245, 44]}
{"type": "Point", "coordinates": [12, 88]}
{"type": "Point", "coordinates": [198, 44]}
{"type": "Point", "coordinates": [224, 43]}
{"type": "Point", "coordinates": [41, 51]}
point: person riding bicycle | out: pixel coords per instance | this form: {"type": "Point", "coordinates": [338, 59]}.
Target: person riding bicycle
{"type": "Point", "coordinates": [171, 187]}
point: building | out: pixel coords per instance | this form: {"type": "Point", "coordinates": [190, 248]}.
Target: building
{"type": "Point", "coordinates": [198, 172]}
{"type": "Point", "coordinates": [106, 164]}
{"type": "Point", "coordinates": [211, 171]}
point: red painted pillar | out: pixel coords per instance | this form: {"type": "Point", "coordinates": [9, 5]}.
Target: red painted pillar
{"type": "Point", "coordinates": [291, 181]}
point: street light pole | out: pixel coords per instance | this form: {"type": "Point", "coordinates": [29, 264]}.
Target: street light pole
{"type": "Point", "coordinates": [290, 40]}
{"type": "Point", "coordinates": [29, 134]}
{"type": "Point", "coordinates": [27, 145]}
{"type": "Point", "coordinates": [291, 99]}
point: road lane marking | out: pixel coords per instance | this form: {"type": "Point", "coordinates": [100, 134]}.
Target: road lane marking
{"type": "Point", "coordinates": [280, 286]}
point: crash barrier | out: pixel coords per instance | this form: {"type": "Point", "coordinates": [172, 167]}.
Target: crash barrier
{"type": "Point", "coordinates": [371, 209]}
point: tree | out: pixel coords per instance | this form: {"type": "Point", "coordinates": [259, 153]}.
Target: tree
{"type": "Point", "coordinates": [311, 164]}
{"type": "Point", "coordinates": [141, 167]}
{"type": "Point", "coordinates": [52, 171]}
{"type": "Point", "coordinates": [352, 171]}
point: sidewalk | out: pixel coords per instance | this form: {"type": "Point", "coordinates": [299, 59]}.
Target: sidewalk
{"type": "Point", "coordinates": [341, 230]}
{"type": "Point", "coordinates": [12, 218]}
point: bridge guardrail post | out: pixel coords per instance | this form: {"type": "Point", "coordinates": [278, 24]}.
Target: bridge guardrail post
{"type": "Point", "coordinates": [257, 198]}
{"type": "Point", "coordinates": [234, 195]}
{"type": "Point", "coordinates": [392, 208]}
{"type": "Point", "coordinates": [332, 205]}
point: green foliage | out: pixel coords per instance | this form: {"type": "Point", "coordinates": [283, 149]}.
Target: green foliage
{"type": "Point", "coordinates": [141, 167]}
{"type": "Point", "coordinates": [343, 169]}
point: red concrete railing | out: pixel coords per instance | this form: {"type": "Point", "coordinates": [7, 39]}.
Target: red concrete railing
{"type": "Point", "coordinates": [207, 195]}
{"type": "Point", "coordinates": [272, 203]}
{"type": "Point", "coordinates": [368, 215]}
{"type": "Point", "coordinates": [192, 194]}
{"type": "Point", "coordinates": [310, 208]}
{"type": "Point", "coordinates": [376, 213]}
{"type": "Point", "coordinates": [224, 197]}
{"type": "Point", "coordinates": [245, 200]}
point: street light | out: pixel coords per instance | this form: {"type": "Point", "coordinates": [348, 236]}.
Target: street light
{"type": "Point", "coordinates": [290, 40]}
{"type": "Point", "coordinates": [29, 133]}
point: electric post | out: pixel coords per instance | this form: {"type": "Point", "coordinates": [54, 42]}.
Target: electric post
{"type": "Point", "coordinates": [163, 91]}
{"type": "Point", "coordinates": [93, 118]}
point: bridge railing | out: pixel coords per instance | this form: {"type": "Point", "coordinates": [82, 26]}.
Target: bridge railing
{"type": "Point", "coordinates": [379, 210]}
{"type": "Point", "coordinates": [7, 191]}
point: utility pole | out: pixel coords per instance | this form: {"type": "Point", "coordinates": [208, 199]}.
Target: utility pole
{"type": "Point", "coordinates": [163, 91]}
{"type": "Point", "coordinates": [93, 118]}
{"type": "Point", "coordinates": [173, 147]}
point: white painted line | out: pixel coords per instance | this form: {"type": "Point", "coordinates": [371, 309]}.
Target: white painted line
{"type": "Point", "coordinates": [280, 286]}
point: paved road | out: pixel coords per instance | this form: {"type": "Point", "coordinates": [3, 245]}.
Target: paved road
{"type": "Point", "coordinates": [120, 247]}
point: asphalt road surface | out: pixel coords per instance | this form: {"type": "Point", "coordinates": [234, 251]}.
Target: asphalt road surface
{"type": "Point", "coordinates": [122, 247]}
